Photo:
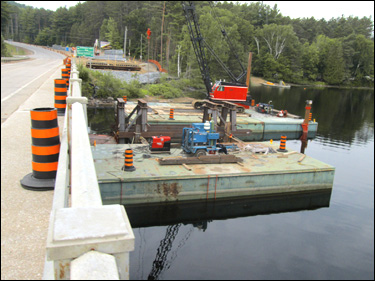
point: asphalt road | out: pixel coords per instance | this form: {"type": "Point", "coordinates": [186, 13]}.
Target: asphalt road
{"type": "Point", "coordinates": [19, 80]}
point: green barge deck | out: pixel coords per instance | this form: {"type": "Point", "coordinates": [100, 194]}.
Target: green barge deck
{"type": "Point", "coordinates": [256, 174]}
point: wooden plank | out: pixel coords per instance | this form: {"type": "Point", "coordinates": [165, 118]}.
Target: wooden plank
{"type": "Point", "coordinates": [186, 167]}
{"type": "Point", "coordinates": [301, 159]}
{"type": "Point", "coordinates": [213, 159]}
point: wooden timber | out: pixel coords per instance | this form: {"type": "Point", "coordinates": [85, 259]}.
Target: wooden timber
{"type": "Point", "coordinates": [113, 65]}
{"type": "Point", "coordinates": [207, 159]}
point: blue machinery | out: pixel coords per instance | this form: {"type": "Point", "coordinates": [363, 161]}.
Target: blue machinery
{"type": "Point", "coordinates": [202, 139]}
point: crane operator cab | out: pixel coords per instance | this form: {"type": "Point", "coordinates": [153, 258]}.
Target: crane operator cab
{"type": "Point", "coordinates": [231, 92]}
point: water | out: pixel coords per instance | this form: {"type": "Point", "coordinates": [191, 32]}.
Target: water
{"type": "Point", "coordinates": [314, 236]}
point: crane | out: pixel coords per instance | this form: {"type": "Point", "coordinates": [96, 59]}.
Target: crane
{"type": "Point", "coordinates": [233, 91]}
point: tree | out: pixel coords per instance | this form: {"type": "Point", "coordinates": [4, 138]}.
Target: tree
{"type": "Point", "coordinates": [363, 58]}
{"type": "Point", "coordinates": [61, 26]}
{"type": "Point", "coordinates": [276, 38]}
{"type": "Point", "coordinates": [310, 60]}
{"type": "Point", "coordinates": [5, 14]}
{"type": "Point", "coordinates": [45, 37]}
{"type": "Point", "coordinates": [334, 70]}
{"type": "Point", "coordinates": [112, 34]}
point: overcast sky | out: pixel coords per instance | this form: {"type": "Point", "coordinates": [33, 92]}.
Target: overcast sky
{"type": "Point", "coordinates": [324, 9]}
{"type": "Point", "coordinates": [293, 9]}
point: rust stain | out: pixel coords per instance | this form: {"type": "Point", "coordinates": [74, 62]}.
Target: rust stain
{"type": "Point", "coordinates": [198, 170]}
{"type": "Point", "coordinates": [168, 189]}
{"type": "Point", "coordinates": [62, 269]}
{"type": "Point", "coordinates": [217, 169]}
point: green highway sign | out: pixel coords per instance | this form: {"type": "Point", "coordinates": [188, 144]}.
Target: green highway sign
{"type": "Point", "coordinates": [85, 51]}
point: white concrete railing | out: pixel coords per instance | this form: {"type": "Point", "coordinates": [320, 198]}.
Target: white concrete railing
{"type": "Point", "coordinates": [85, 240]}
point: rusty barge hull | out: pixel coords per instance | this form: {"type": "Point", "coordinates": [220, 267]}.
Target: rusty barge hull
{"type": "Point", "coordinates": [273, 173]}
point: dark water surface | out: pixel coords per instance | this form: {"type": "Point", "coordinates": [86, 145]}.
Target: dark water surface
{"type": "Point", "coordinates": [309, 236]}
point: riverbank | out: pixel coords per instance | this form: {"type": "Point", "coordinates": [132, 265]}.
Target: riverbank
{"type": "Point", "coordinates": [331, 86]}
{"type": "Point", "coordinates": [110, 101]}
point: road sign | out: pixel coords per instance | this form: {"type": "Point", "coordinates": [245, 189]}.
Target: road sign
{"type": "Point", "coordinates": [85, 51]}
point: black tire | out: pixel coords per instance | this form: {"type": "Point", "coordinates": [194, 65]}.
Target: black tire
{"type": "Point", "coordinates": [200, 152]}
{"type": "Point", "coordinates": [197, 104]}
{"type": "Point", "coordinates": [240, 109]}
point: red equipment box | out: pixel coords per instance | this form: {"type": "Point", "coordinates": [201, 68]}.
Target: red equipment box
{"type": "Point", "coordinates": [161, 143]}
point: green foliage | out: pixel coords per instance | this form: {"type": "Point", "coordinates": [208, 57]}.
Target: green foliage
{"type": "Point", "coordinates": [310, 60]}
{"type": "Point", "coordinates": [107, 84]}
{"type": "Point", "coordinates": [164, 90]}
{"type": "Point", "coordinates": [339, 51]}
{"type": "Point", "coordinates": [4, 50]}
{"type": "Point", "coordinates": [133, 89]}
{"type": "Point", "coordinates": [334, 64]}
{"type": "Point", "coordinates": [45, 37]}
{"type": "Point", "coordinates": [84, 73]}
{"type": "Point", "coordinates": [5, 15]}
{"type": "Point", "coordinates": [109, 27]}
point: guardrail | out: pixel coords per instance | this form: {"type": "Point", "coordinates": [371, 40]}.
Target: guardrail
{"type": "Point", "coordinates": [8, 59]}
{"type": "Point", "coordinates": [85, 240]}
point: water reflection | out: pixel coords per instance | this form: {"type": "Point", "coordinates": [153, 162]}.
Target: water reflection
{"type": "Point", "coordinates": [199, 215]}
{"type": "Point", "coordinates": [344, 115]}
{"type": "Point", "coordinates": [101, 120]}
{"type": "Point", "coordinates": [146, 215]}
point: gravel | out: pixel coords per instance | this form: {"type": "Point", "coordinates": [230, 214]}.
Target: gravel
{"type": "Point", "coordinates": [151, 77]}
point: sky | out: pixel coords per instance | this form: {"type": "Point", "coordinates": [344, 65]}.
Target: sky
{"type": "Point", "coordinates": [49, 5]}
{"type": "Point", "coordinates": [293, 9]}
{"type": "Point", "coordinates": [323, 9]}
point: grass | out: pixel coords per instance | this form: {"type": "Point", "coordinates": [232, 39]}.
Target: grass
{"type": "Point", "coordinates": [15, 51]}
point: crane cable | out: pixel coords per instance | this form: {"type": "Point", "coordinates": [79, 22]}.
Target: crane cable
{"type": "Point", "coordinates": [226, 36]}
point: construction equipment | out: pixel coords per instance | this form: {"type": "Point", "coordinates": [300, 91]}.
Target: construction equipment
{"type": "Point", "coordinates": [160, 144]}
{"type": "Point", "coordinates": [96, 48]}
{"type": "Point", "coordinates": [264, 107]}
{"type": "Point", "coordinates": [233, 91]}
{"type": "Point", "coordinates": [202, 139]}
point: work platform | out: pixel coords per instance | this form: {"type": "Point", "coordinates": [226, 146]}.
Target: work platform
{"type": "Point", "coordinates": [113, 65]}
{"type": "Point", "coordinates": [263, 173]}
{"type": "Point", "coordinates": [151, 119]}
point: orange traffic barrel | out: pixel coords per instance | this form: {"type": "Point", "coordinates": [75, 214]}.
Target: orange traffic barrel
{"type": "Point", "coordinates": [252, 102]}
{"type": "Point", "coordinates": [128, 164]}
{"type": "Point", "coordinates": [45, 149]}
{"type": "Point", "coordinates": [67, 83]}
{"type": "Point", "coordinates": [60, 95]}
{"type": "Point", "coordinates": [65, 73]}
{"type": "Point", "coordinates": [282, 144]}
{"type": "Point", "coordinates": [125, 98]}
{"type": "Point", "coordinates": [171, 114]}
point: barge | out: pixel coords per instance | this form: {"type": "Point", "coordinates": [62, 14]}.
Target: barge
{"type": "Point", "coordinates": [261, 170]}
{"type": "Point", "coordinates": [149, 119]}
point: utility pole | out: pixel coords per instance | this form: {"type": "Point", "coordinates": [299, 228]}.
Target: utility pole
{"type": "Point", "coordinates": [148, 54]}
{"type": "Point", "coordinates": [161, 41]}
{"type": "Point", "coordinates": [126, 32]}
{"type": "Point", "coordinates": [129, 46]}
{"type": "Point", "coordinates": [141, 48]}
{"type": "Point", "coordinates": [178, 61]}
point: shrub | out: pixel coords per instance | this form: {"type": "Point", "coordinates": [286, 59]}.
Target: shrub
{"type": "Point", "coordinates": [132, 89]}
{"type": "Point", "coordinates": [165, 90]}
